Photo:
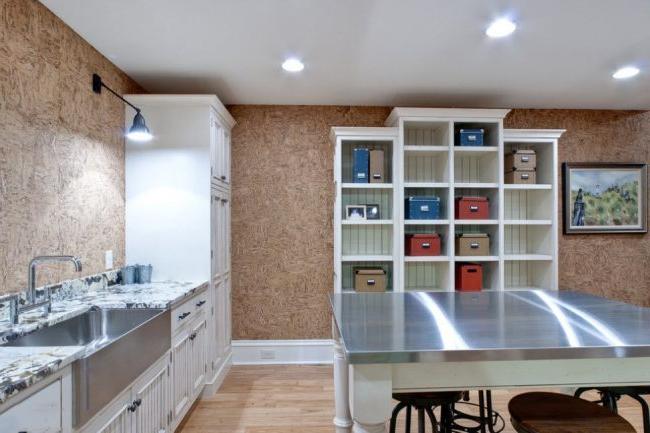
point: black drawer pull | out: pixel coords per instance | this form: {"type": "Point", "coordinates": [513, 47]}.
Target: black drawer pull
{"type": "Point", "coordinates": [193, 336]}
{"type": "Point", "coordinates": [474, 245]}
{"type": "Point", "coordinates": [184, 315]}
{"type": "Point", "coordinates": [198, 304]}
{"type": "Point", "coordinates": [371, 282]}
{"type": "Point", "coordinates": [223, 177]}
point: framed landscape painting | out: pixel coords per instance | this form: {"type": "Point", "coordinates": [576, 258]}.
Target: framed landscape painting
{"type": "Point", "coordinates": [605, 198]}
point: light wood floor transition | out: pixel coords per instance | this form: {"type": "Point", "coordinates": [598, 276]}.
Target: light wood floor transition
{"type": "Point", "coordinates": [298, 399]}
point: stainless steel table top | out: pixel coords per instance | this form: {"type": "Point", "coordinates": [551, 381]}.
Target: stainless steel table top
{"type": "Point", "coordinates": [488, 326]}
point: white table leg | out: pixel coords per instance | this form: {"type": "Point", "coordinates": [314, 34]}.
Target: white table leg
{"type": "Point", "coordinates": [371, 397]}
{"type": "Point", "coordinates": [342, 418]}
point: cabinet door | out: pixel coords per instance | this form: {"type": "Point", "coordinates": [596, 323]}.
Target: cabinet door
{"type": "Point", "coordinates": [227, 318]}
{"type": "Point", "coordinates": [45, 403]}
{"type": "Point", "coordinates": [226, 155]}
{"type": "Point", "coordinates": [119, 418]}
{"type": "Point", "coordinates": [181, 373]}
{"type": "Point", "coordinates": [198, 341]}
{"type": "Point", "coordinates": [216, 149]}
{"type": "Point", "coordinates": [151, 397]}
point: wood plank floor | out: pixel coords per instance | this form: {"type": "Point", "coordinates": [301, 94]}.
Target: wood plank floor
{"type": "Point", "coordinates": [298, 399]}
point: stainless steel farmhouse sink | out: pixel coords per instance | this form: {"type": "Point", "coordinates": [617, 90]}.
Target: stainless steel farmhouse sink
{"type": "Point", "coordinates": [120, 345]}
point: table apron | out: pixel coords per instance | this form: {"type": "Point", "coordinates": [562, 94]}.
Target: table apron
{"type": "Point", "coordinates": [514, 374]}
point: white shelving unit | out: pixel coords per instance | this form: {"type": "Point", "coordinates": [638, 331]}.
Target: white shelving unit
{"type": "Point", "coordinates": [424, 160]}
{"type": "Point", "coordinates": [365, 242]}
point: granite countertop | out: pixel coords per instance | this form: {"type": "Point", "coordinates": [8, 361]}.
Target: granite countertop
{"type": "Point", "coordinates": [21, 367]}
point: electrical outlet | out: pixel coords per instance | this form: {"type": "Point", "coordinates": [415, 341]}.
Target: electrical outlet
{"type": "Point", "coordinates": [267, 354]}
{"type": "Point", "coordinates": [109, 259]}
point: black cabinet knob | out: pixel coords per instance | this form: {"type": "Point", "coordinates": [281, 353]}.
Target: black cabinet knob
{"type": "Point", "coordinates": [198, 304]}
{"type": "Point", "coordinates": [223, 177]}
{"type": "Point", "coordinates": [184, 315]}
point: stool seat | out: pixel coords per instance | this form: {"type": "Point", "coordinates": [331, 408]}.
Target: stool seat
{"type": "Point", "coordinates": [431, 398]}
{"type": "Point", "coordinates": [547, 412]}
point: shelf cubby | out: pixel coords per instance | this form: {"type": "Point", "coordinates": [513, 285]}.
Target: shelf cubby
{"type": "Point", "coordinates": [528, 204]}
{"type": "Point", "coordinates": [491, 135]}
{"type": "Point", "coordinates": [441, 230]}
{"type": "Point", "coordinates": [426, 133]}
{"type": "Point", "coordinates": [443, 193]}
{"type": "Point", "coordinates": [492, 195]}
{"type": "Point", "coordinates": [381, 197]}
{"type": "Point", "coordinates": [491, 230]}
{"type": "Point", "coordinates": [476, 167]}
{"type": "Point", "coordinates": [347, 270]}
{"type": "Point", "coordinates": [423, 167]}
{"type": "Point", "coordinates": [490, 273]}
{"type": "Point", "coordinates": [544, 159]}
{"type": "Point", "coordinates": [528, 274]}
{"type": "Point", "coordinates": [347, 150]}
{"type": "Point", "coordinates": [528, 240]}
{"type": "Point", "coordinates": [426, 276]}
{"type": "Point", "coordinates": [367, 240]}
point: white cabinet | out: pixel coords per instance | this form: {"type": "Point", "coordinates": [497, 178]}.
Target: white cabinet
{"type": "Point", "coordinates": [41, 412]}
{"type": "Point", "coordinates": [178, 207]}
{"type": "Point", "coordinates": [198, 356]}
{"type": "Point", "coordinates": [219, 152]}
{"type": "Point", "coordinates": [118, 417]}
{"type": "Point", "coordinates": [151, 400]}
{"type": "Point", "coordinates": [181, 372]}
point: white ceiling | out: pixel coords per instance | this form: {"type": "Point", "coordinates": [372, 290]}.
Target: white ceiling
{"type": "Point", "coordinates": [376, 52]}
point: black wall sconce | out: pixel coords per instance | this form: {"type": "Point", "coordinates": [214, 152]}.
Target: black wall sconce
{"type": "Point", "coordinates": [139, 130]}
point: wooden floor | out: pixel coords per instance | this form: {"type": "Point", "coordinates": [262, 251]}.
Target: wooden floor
{"type": "Point", "coordinates": [297, 399]}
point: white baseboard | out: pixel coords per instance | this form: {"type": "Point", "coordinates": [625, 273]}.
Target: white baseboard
{"type": "Point", "coordinates": [259, 352]}
{"type": "Point", "coordinates": [212, 385]}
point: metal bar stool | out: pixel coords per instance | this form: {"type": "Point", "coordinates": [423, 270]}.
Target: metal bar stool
{"type": "Point", "coordinates": [547, 412]}
{"type": "Point", "coordinates": [610, 396]}
{"type": "Point", "coordinates": [424, 403]}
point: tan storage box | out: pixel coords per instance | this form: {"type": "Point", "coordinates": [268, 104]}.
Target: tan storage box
{"type": "Point", "coordinates": [370, 280]}
{"type": "Point", "coordinates": [526, 177]}
{"type": "Point", "coordinates": [473, 244]}
{"type": "Point", "coordinates": [377, 166]}
{"type": "Point", "coordinates": [521, 160]}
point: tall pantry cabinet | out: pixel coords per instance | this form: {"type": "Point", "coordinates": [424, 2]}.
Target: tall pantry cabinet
{"type": "Point", "coordinates": [178, 206]}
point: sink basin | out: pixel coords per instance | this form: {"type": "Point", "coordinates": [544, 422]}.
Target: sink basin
{"type": "Point", "coordinates": [120, 345]}
{"type": "Point", "coordinates": [94, 329]}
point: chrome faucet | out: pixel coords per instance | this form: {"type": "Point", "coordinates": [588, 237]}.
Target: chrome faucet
{"type": "Point", "coordinates": [16, 309]}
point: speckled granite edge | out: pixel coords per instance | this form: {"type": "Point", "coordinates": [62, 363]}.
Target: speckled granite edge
{"type": "Point", "coordinates": [21, 367]}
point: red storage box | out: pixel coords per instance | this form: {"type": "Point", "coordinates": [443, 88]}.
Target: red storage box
{"type": "Point", "coordinates": [469, 277]}
{"type": "Point", "coordinates": [472, 208]}
{"type": "Point", "coordinates": [422, 245]}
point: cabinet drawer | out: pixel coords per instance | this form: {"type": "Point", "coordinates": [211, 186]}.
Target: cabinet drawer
{"type": "Point", "coordinates": [200, 303]}
{"type": "Point", "coordinates": [40, 413]}
{"type": "Point", "coordinates": [183, 314]}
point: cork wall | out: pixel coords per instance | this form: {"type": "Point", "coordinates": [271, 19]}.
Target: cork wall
{"type": "Point", "coordinates": [282, 163]}
{"type": "Point", "coordinates": [61, 147]}
{"type": "Point", "coordinates": [283, 196]}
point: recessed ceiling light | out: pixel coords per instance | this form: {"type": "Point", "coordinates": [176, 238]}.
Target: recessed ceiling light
{"type": "Point", "coordinates": [626, 72]}
{"type": "Point", "coordinates": [500, 28]}
{"type": "Point", "coordinates": [293, 65]}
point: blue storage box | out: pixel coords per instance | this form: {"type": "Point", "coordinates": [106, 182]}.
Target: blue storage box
{"type": "Point", "coordinates": [470, 137]}
{"type": "Point", "coordinates": [422, 208]}
{"type": "Point", "coordinates": [360, 165]}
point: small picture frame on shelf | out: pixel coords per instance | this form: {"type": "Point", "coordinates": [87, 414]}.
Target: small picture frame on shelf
{"type": "Point", "coordinates": [355, 212]}
{"type": "Point", "coordinates": [605, 198]}
{"type": "Point", "coordinates": [372, 212]}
